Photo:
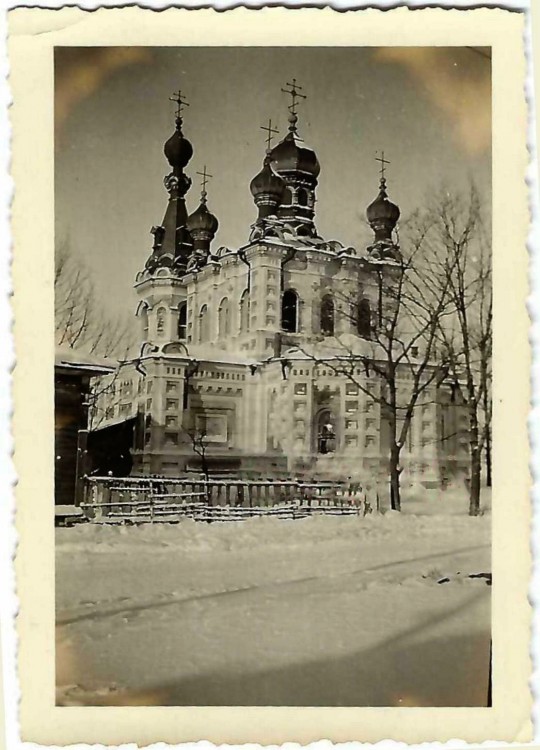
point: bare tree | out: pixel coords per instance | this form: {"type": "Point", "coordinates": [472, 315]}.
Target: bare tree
{"type": "Point", "coordinates": [396, 367]}
{"type": "Point", "coordinates": [80, 320]}
{"type": "Point", "coordinates": [468, 342]}
{"type": "Point", "coordinates": [199, 444]}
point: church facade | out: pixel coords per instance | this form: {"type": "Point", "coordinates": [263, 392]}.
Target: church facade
{"type": "Point", "coordinates": [241, 366]}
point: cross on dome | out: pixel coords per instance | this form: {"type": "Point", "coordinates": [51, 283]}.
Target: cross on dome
{"type": "Point", "coordinates": [206, 176]}
{"type": "Point", "coordinates": [270, 134]}
{"type": "Point", "coordinates": [294, 92]}
{"type": "Point", "coordinates": [180, 101]}
{"type": "Point", "coordinates": [383, 162]}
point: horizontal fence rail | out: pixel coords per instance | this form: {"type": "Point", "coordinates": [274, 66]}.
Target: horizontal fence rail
{"type": "Point", "coordinates": [163, 499]}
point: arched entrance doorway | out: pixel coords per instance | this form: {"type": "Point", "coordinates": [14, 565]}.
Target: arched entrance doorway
{"type": "Point", "coordinates": [326, 432]}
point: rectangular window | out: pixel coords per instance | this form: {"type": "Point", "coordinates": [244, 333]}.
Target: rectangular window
{"type": "Point", "coordinates": [351, 407]}
{"type": "Point", "coordinates": [170, 421]}
{"type": "Point", "coordinates": [300, 389]}
{"type": "Point", "coordinates": [149, 403]}
{"type": "Point", "coordinates": [171, 438]}
{"type": "Point", "coordinates": [351, 424]}
{"type": "Point", "coordinates": [171, 403]}
{"type": "Point", "coordinates": [171, 386]}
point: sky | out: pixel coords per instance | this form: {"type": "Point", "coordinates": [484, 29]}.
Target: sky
{"type": "Point", "coordinates": [427, 108]}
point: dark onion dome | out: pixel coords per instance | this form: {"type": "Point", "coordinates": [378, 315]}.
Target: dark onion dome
{"type": "Point", "coordinates": [178, 149]}
{"type": "Point", "coordinates": [290, 156]}
{"type": "Point", "coordinates": [267, 182]}
{"type": "Point", "coordinates": [382, 209]}
{"type": "Point", "coordinates": [201, 220]}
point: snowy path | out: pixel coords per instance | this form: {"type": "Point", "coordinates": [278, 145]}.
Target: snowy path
{"type": "Point", "coordinates": [316, 612]}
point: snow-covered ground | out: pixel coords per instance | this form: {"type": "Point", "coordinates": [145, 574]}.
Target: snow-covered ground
{"type": "Point", "coordinates": [321, 611]}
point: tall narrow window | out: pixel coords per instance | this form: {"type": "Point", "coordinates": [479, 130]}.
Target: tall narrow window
{"type": "Point", "coordinates": [363, 319]}
{"type": "Point", "coordinates": [327, 315]}
{"type": "Point", "coordinates": [244, 312]}
{"type": "Point", "coordinates": [223, 318]}
{"type": "Point", "coordinates": [287, 197]}
{"type": "Point", "coordinates": [182, 320]}
{"type": "Point", "coordinates": [326, 432]}
{"type": "Point", "coordinates": [203, 324]}
{"type": "Point", "coordinates": [160, 321]}
{"type": "Point", "coordinates": [302, 197]}
{"type": "Point", "coordinates": [289, 311]}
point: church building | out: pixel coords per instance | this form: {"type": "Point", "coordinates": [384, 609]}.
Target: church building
{"type": "Point", "coordinates": [238, 347]}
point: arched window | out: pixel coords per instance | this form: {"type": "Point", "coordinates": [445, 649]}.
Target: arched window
{"type": "Point", "coordinates": [223, 318]}
{"type": "Point", "coordinates": [203, 324]}
{"type": "Point", "coordinates": [287, 197]}
{"type": "Point", "coordinates": [327, 315]}
{"type": "Point", "coordinates": [182, 320]}
{"type": "Point", "coordinates": [244, 312]}
{"type": "Point", "coordinates": [326, 432]}
{"type": "Point", "coordinates": [302, 197]}
{"type": "Point", "coordinates": [289, 311]}
{"type": "Point", "coordinates": [363, 319]}
{"type": "Point", "coordinates": [142, 313]}
{"type": "Point", "coordinates": [160, 321]}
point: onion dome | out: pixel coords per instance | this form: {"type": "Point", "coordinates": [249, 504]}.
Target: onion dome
{"type": "Point", "coordinates": [201, 220]}
{"type": "Point", "coordinates": [382, 209]}
{"type": "Point", "coordinates": [202, 226]}
{"type": "Point", "coordinates": [178, 149]}
{"type": "Point", "coordinates": [267, 183]}
{"type": "Point", "coordinates": [290, 156]}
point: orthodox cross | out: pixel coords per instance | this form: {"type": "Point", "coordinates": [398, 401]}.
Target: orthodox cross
{"type": "Point", "coordinates": [271, 132]}
{"type": "Point", "coordinates": [294, 93]}
{"type": "Point", "coordinates": [383, 163]}
{"type": "Point", "coordinates": [180, 102]}
{"type": "Point", "coordinates": [204, 182]}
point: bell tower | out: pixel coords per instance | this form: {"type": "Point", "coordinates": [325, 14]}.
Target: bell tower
{"type": "Point", "coordinates": [160, 286]}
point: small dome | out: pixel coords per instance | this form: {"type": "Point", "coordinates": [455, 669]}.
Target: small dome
{"type": "Point", "coordinates": [178, 149]}
{"type": "Point", "coordinates": [202, 220]}
{"type": "Point", "coordinates": [382, 209]}
{"type": "Point", "coordinates": [267, 182]}
{"type": "Point", "coordinates": [290, 156]}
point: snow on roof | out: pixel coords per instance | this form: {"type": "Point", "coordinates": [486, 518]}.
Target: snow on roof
{"type": "Point", "coordinates": [67, 357]}
{"type": "Point", "coordinates": [213, 354]}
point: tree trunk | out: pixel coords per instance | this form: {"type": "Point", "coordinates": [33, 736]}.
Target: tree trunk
{"type": "Point", "coordinates": [475, 466]}
{"type": "Point", "coordinates": [488, 456]}
{"type": "Point", "coordinates": [474, 490]}
{"type": "Point", "coordinates": [395, 471]}
{"type": "Point", "coordinates": [487, 435]}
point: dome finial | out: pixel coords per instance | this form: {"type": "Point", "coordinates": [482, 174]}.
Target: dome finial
{"type": "Point", "coordinates": [294, 92]}
{"type": "Point", "coordinates": [204, 182]}
{"type": "Point", "coordinates": [271, 132]}
{"type": "Point", "coordinates": [181, 102]}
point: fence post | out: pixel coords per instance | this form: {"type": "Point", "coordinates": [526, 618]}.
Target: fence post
{"type": "Point", "coordinates": [81, 466]}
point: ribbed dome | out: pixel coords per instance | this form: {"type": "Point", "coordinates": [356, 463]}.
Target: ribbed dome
{"type": "Point", "coordinates": [178, 149]}
{"type": "Point", "coordinates": [201, 220]}
{"type": "Point", "coordinates": [382, 209]}
{"type": "Point", "coordinates": [267, 182]}
{"type": "Point", "coordinates": [290, 156]}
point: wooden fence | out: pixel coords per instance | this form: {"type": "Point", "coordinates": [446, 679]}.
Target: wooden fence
{"type": "Point", "coordinates": [152, 499]}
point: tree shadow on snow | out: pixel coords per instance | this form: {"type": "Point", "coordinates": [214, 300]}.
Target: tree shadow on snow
{"type": "Point", "coordinates": [408, 669]}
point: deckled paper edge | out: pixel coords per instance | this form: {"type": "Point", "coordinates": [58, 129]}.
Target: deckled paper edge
{"type": "Point", "coordinates": [33, 421]}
